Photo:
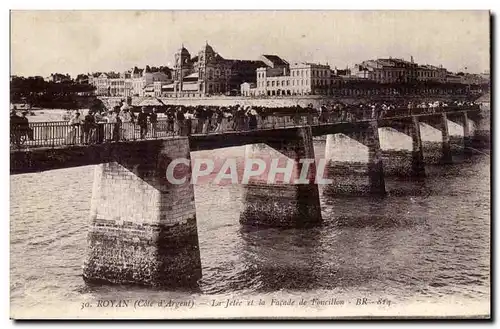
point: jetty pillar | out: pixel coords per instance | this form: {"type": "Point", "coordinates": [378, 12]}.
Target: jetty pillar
{"type": "Point", "coordinates": [351, 174]}
{"type": "Point", "coordinates": [446, 157]}
{"type": "Point", "coordinates": [467, 133]}
{"type": "Point", "coordinates": [375, 166]}
{"type": "Point", "coordinates": [281, 200]}
{"type": "Point", "coordinates": [417, 164]}
{"type": "Point", "coordinates": [143, 226]}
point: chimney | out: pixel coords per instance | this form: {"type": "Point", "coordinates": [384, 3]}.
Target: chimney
{"type": "Point", "coordinates": [411, 59]}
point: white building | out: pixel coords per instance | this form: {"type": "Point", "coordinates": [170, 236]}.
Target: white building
{"type": "Point", "coordinates": [295, 79]}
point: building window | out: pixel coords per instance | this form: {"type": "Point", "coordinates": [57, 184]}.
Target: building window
{"type": "Point", "coordinates": [268, 83]}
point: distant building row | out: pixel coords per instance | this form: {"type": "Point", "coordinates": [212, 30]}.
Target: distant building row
{"type": "Point", "coordinates": [135, 82]}
{"type": "Point", "coordinates": [317, 79]}
{"type": "Point", "coordinates": [208, 73]}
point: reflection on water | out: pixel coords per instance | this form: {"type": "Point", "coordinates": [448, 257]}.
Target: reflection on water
{"type": "Point", "coordinates": [426, 239]}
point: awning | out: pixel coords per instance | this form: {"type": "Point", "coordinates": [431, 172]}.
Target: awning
{"type": "Point", "coordinates": [190, 87]}
{"type": "Point", "coordinates": [192, 75]}
{"type": "Point", "coordinates": [148, 87]}
{"type": "Point", "coordinates": [151, 102]}
{"type": "Point", "coordinates": [170, 86]}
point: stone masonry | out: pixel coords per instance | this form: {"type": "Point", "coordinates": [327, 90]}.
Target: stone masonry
{"type": "Point", "coordinates": [142, 228]}
{"type": "Point", "coordinates": [409, 127]}
{"type": "Point", "coordinates": [367, 135]}
{"type": "Point", "coordinates": [283, 204]}
{"type": "Point", "coordinates": [440, 122]}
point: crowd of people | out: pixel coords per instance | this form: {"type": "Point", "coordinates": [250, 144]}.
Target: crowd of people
{"type": "Point", "coordinates": [124, 122]}
{"type": "Point", "coordinates": [118, 124]}
{"type": "Point", "coordinates": [375, 110]}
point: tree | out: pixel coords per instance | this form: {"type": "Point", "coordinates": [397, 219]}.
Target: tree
{"type": "Point", "coordinates": [37, 92]}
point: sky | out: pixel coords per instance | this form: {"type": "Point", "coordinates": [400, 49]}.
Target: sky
{"type": "Point", "coordinates": [44, 42]}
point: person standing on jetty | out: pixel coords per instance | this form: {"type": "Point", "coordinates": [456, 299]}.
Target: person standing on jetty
{"type": "Point", "coordinates": [239, 119]}
{"type": "Point", "coordinates": [170, 121]}
{"type": "Point", "coordinates": [117, 127]}
{"type": "Point", "coordinates": [15, 130]}
{"type": "Point", "coordinates": [142, 121]}
{"type": "Point", "coordinates": [88, 128]}
{"type": "Point", "coordinates": [110, 123]}
{"type": "Point", "coordinates": [252, 118]}
{"type": "Point", "coordinates": [153, 119]}
{"type": "Point", "coordinates": [188, 122]}
{"type": "Point", "coordinates": [75, 123]}
{"type": "Point", "coordinates": [127, 126]}
{"type": "Point", "coordinates": [179, 114]}
{"type": "Point", "coordinates": [219, 116]}
{"type": "Point", "coordinates": [25, 126]}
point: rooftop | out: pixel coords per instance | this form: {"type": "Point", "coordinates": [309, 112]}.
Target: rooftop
{"type": "Point", "coordinates": [275, 60]}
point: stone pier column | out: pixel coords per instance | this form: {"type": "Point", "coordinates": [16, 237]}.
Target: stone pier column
{"type": "Point", "coordinates": [142, 227]}
{"type": "Point", "coordinates": [418, 164]}
{"type": "Point", "coordinates": [467, 134]}
{"type": "Point", "coordinates": [283, 203]}
{"type": "Point", "coordinates": [375, 166]}
{"type": "Point", "coordinates": [446, 157]}
{"type": "Point", "coordinates": [351, 168]}
{"type": "Point", "coordinates": [481, 136]}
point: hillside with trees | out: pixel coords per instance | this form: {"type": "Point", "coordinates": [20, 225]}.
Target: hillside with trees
{"type": "Point", "coordinates": [36, 92]}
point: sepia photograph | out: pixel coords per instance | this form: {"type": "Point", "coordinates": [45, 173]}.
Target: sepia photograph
{"type": "Point", "coordinates": [258, 164]}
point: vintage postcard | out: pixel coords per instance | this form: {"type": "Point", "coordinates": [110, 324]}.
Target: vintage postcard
{"type": "Point", "coordinates": [250, 164]}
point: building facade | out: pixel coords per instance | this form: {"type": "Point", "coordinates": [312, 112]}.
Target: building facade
{"type": "Point", "coordinates": [135, 82]}
{"type": "Point", "coordinates": [396, 70]}
{"type": "Point", "coordinates": [387, 70]}
{"type": "Point", "coordinates": [208, 73]}
{"type": "Point", "coordinates": [295, 79]}
{"type": "Point", "coordinates": [431, 73]}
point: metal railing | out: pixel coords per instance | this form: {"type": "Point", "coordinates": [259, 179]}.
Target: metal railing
{"type": "Point", "coordinates": [60, 133]}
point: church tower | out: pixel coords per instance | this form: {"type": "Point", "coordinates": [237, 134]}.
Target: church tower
{"type": "Point", "coordinates": [182, 66]}
{"type": "Point", "coordinates": [206, 62]}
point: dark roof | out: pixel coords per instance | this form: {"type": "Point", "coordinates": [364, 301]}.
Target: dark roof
{"type": "Point", "coordinates": [183, 51]}
{"type": "Point", "coordinates": [113, 75]}
{"type": "Point", "coordinates": [248, 63]}
{"type": "Point", "coordinates": [276, 60]}
{"type": "Point", "coordinates": [137, 70]}
{"type": "Point", "coordinates": [345, 72]}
